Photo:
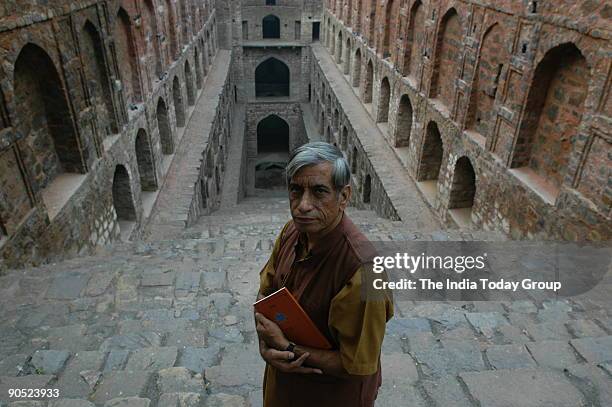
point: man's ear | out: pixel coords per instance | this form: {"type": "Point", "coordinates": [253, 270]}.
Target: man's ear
{"type": "Point", "coordinates": [345, 196]}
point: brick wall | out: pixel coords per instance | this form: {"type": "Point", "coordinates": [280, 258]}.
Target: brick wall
{"type": "Point", "coordinates": [521, 94]}
{"type": "Point", "coordinates": [80, 137]}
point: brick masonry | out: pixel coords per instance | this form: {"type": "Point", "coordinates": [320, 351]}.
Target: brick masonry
{"type": "Point", "coordinates": [80, 137]}
{"type": "Point", "coordinates": [520, 96]}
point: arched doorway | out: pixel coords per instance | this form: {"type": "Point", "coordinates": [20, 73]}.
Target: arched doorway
{"type": "Point", "coordinates": [339, 54]}
{"type": "Point", "coordinates": [144, 158]}
{"type": "Point", "coordinates": [190, 88]}
{"type": "Point", "coordinates": [493, 55]}
{"type": "Point", "coordinates": [271, 27]}
{"type": "Point", "coordinates": [97, 78]}
{"type": "Point", "coordinates": [389, 25]}
{"type": "Point", "coordinates": [198, 66]}
{"type": "Point", "coordinates": [272, 152]}
{"type": "Point", "coordinates": [416, 37]}
{"type": "Point", "coordinates": [369, 82]}
{"type": "Point", "coordinates": [347, 57]}
{"type": "Point", "coordinates": [165, 131]}
{"type": "Point", "coordinates": [177, 97]}
{"type": "Point", "coordinates": [430, 162]}
{"type": "Point", "coordinates": [171, 24]}
{"type": "Point", "coordinates": [344, 138]}
{"type": "Point", "coordinates": [272, 79]}
{"type": "Point", "coordinates": [150, 22]}
{"type": "Point", "coordinates": [383, 101]}
{"type": "Point", "coordinates": [446, 59]}
{"type": "Point", "coordinates": [126, 53]}
{"type": "Point", "coordinates": [357, 69]}
{"type": "Point", "coordinates": [404, 122]}
{"type": "Point", "coordinates": [462, 192]}
{"type": "Point", "coordinates": [367, 188]}
{"type": "Point", "coordinates": [123, 201]}
{"type": "Point", "coordinates": [50, 145]}
{"type": "Point", "coordinates": [555, 105]}
{"type": "Point", "coordinates": [431, 156]}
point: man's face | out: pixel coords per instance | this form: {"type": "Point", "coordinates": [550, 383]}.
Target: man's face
{"type": "Point", "coordinates": [315, 204]}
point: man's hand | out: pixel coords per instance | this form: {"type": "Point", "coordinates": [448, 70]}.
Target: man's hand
{"type": "Point", "coordinates": [270, 332]}
{"type": "Point", "coordinates": [281, 360]}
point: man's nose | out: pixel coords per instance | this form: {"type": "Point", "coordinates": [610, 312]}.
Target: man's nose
{"type": "Point", "coordinates": [305, 205]}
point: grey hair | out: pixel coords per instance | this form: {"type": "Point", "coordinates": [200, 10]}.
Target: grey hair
{"type": "Point", "coordinates": [319, 152]}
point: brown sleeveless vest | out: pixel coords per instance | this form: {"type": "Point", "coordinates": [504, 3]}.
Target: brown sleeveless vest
{"type": "Point", "coordinates": [314, 281]}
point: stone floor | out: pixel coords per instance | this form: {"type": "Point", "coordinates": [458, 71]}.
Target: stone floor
{"type": "Point", "coordinates": [169, 323]}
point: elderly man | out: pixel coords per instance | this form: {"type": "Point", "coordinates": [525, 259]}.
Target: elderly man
{"type": "Point", "coordinates": [318, 256]}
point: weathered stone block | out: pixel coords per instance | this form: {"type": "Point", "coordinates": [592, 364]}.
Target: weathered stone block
{"type": "Point", "coordinates": [152, 359]}
{"type": "Point", "coordinates": [522, 387]}
{"type": "Point", "coordinates": [49, 361]}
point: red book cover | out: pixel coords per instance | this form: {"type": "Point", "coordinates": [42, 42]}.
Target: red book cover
{"type": "Point", "coordinates": [282, 308]}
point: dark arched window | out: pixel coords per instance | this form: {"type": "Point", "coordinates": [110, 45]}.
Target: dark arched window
{"type": "Point", "coordinates": [272, 79]}
{"type": "Point", "coordinates": [272, 153]}
{"type": "Point", "coordinates": [270, 2]}
{"type": "Point", "coordinates": [271, 27]}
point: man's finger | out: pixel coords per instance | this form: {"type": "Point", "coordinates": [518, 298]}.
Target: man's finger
{"type": "Point", "coordinates": [279, 355]}
{"type": "Point", "coordinates": [287, 367]}
{"type": "Point", "coordinates": [305, 370]}
{"type": "Point", "coordinates": [261, 319]}
{"type": "Point", "coordinates": [296, 365]}
{"type": "Point", "coordinates": [298, 362]}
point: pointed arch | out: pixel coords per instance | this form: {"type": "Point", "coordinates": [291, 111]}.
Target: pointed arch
{"type": "Point", "coordinates": [415, 39]}
{"type": "Point", "coordinates": [177, 98]}
{"type": "Point", "coordinates": [448, 46]}
{"type": "Point", "coordinates": [272, 78]}
{"type": "Point", "coordinates": [191, 94]}
{"type": "Point", "coordinates": [126, 52]}
{"type": "Point", "coordinates": [357, 69]}
{"type": "Point", "coordinates": [431, 154]}
{"type": "Point", "coordinates": [367, 188]}
{"type": "Point", "coordinates": [368, 83]}
{"type": "Point", "coordinates": [273, 136]}
{"type": "Point", "coordinates": [50, 145]}
{"type": "Point", "coordinates": [403, 126]}
{"type": "Point", "coordinates": [198, 66]}
{"type": "Point", "coordinates": [492, 56]}
{"type": "Point", "coordinates": [97, 77]}
{"type": "Point", "coordinates": [123, 200]}
{"type": "Point", "coordinates": [371, 37]}
{"type": "Point", "coordinates": [163, 125]}
{"type": "Point", "coordinates": [383, 101]}
{"type": "Point", "coordinates": [171, 30]}
{"type": "Point", "coordinates": [151, 38]}
{"type": "Point", "coordinates": [389, 28]}
{"type": "Point", "coordinates": [270, 26]}
{"type": "Point", "coordinates": [339, 55]}
{"type": "Point", "coordinates": [347, 57]}
{"type": "Point", "coordinates": [344, 138]}
{"type": "Point", "coordinates": [463, 187]}
{"type": "Point", "coordinates": [553, 112]}
{"type": "Point", "coordinates": [144, 159]}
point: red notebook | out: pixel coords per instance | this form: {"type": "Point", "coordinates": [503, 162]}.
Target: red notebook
{"type": "Point", "coordinates": [282, 308]}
